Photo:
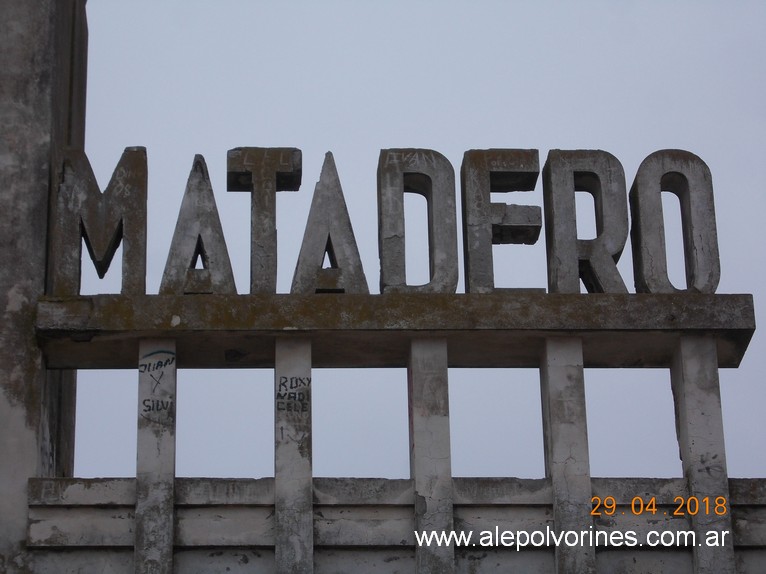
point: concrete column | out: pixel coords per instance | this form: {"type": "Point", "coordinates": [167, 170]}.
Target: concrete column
{"type": "Point", "coordinates": [567, 461]}
{"type": "Point", "coordinates": [42, 83]}
{"type": "Point", "coordinates": [699, 424]}
{"type": "Point", "coordinates": [293, 488]}
{"type": "Point", "coordinates": [156, 465]}
{"type": "Point", "coordinates": [430, 462]}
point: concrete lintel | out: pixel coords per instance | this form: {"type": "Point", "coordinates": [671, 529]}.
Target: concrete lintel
{"type": "Point", "coordinates": [491, 330]}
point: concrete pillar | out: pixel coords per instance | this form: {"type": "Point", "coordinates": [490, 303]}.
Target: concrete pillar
{"type": "Point", "coordinates": [699, 424]}
{"type": "Point", "coordinates": [430, 462]}
{"type": "Point", "coordinates": [567, 462]}
{"type": "Point", "coordinates": [156, 464]}
{"type": "Point", "coordinates": [43, 46]}
{"type": "Point", "coordinates": [293, 487]}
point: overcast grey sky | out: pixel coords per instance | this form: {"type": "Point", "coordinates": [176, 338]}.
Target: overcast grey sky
{"type": "Point", "coordinates": [188, 77]}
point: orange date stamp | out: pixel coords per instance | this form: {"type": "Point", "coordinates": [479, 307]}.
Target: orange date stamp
{"type": "Point", "coordinates": [682, 506]}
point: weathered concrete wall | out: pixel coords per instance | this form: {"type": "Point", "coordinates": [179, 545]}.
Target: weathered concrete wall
{"type": "Point", "coordinates": [42, 87]}
{"type": "Point", "coordinates": [364, 525]}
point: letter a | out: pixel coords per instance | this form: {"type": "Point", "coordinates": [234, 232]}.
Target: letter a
{"type": "Point", "coordinates": [328, 231]}
{"type": "Point", "coordinates": [198, 236]}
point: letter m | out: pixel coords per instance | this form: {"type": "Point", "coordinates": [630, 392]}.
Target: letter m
{"type": "Point", "coordinates": [102, 220]}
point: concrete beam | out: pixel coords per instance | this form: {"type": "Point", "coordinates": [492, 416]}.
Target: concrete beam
{"type": "Point", "coordinates": [156, 457]}
{"type": "Point", "coordinates": [492, 329]}
{"type": "Point", "coordinates": [293, 489]}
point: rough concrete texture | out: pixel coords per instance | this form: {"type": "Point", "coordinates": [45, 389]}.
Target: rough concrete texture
{"type": "Point", "coordinates": [41, 53]}
{"type": "Point", "coordinates": [361, 525]}
{"type": "Point", "coordinates": [699, 423]}
{"type": "Point", "coordinates": [358, 521]}
{"type": "Point", "coordinates": [430, 174]}
{"type": "Point", "coordinates": [430, 462]}
{"type": "Point", "coordinates": [198, 240]}
{"type": "Point", "coordinates": [688, 177]}
{"type": "Point", "coordinates": [502, 329]}
{"type": "Point", "coordinates": [485, 223]}
{"type": "Point", "coordinates": [293, 503]}
{"type": "Point", "coordinates": [567, 461]}
{"type": "Point", "coordinates": [104, 221]}
{"type": "Point", "coordinates": [263, 172]}
{"type": "Point", "coordinates": [156, 457]}
{"type": "Point", "coordinates": [329, 232]}
{"type": "Point", "coordinates": [593, 260]}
